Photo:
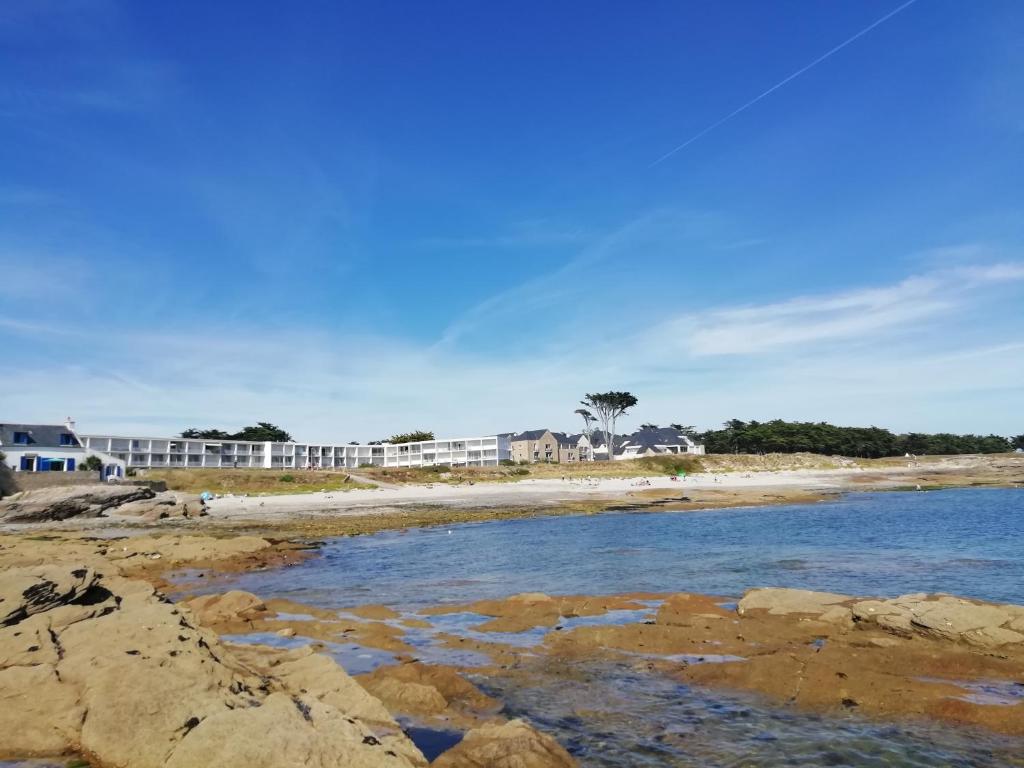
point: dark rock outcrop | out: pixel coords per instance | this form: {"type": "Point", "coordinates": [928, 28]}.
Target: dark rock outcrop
{"type": "Point", "coordinates": [61, 503]}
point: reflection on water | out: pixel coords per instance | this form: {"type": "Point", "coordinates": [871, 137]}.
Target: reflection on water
{"type": "Point", "coordinates": [615, 716]}
{"type": "Point", "coordinates": [1000, 693]}
{"type": "Point", "coordinates": [431, 741]}
{"type": "Point", "coordinates": [354, 659]}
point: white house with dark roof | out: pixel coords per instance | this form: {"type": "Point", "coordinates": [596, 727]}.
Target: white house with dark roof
{"type": "Point", "coordinates": [656, 442]}
{"type": "Point", "coordinates": [50, 448]}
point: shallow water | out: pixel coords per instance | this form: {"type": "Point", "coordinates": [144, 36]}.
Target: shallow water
{"type": "Point", "coordinates": [967, 542]}
{"type": "Point", "coordinates": [611, 716]}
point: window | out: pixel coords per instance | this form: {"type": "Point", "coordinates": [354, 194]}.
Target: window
{"type": "Point", "coordinates": [67, 438]}
{"type": "Point", "coordinates": [21, 438]}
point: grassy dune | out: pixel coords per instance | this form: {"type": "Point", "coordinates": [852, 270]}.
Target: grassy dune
{"type": "Point", "coordinates": [253, 481]}
{"type": "Point", "coordinates": [278, 481]}
{"type": "Point", "coordinates": [655, 465]}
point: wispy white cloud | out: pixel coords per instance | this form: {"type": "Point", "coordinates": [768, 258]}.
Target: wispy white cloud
{"type": "Point", "coordinates": [854, 315]}
{"type": "Point", "coordinates": [894, 355]}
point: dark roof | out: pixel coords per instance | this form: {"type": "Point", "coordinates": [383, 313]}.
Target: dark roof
{"type": "Point", "coordinates": [530, 434]}
{"type": "Point", "coordinates": [39, 435]}
{"type": "Point", "coordinates": [598, 437]}
{"type": "Point", "coordinates": [648, 438]}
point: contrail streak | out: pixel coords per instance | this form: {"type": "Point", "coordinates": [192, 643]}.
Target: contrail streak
{"type": "Point", "coordinates": [781, 83]}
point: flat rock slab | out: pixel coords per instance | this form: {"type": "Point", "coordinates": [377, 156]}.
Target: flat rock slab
{"type": "Point", "coordinates": [941, 617]}
{"type": "Point", "coordinates": [27, 591]}
{"type": "Point", "coordinates": [780, 602]}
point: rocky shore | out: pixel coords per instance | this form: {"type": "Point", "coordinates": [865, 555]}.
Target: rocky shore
{"type": "Point", "coordinates": [108, 654]}
{"type": "Point", "coordinates": [95, 662]}
{"type": "Point", "coordinates": [916, 655]}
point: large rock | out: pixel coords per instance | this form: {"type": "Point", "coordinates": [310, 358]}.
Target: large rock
{"type": "Point", "coordinates": [781, 602]}
{"type": "Point", "coordinates": [131, 680]}
{"type": "Point", "coordinates": [940, 617]}
{"type": "Point", "coordinates": [25, 591]}
{"type": "Point", "coordinates": [951, 618]}
{"type": "Point", "coordinates": [284, 731]}
{"type": "Point", "coordinates": [303, 670]}
{"type": "Point", "coordinates": [39, 714]}
{"type": "Point", "coordinates": [427, 689]}
{"type": "Point", "coordinates": [235, 605]}
{"type": "Point", "coordinates": [511, 745]}
{"type": "Point", "coordinates": [163, 505]}
{"type": "Point", "coordinates": [60, 503]}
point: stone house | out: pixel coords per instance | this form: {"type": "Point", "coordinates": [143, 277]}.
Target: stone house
{"type": "Point", "coordinates": [543, 445]}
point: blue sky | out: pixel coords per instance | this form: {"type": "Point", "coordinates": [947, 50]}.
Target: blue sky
{"type": "Point", "coordinates": [357, 219]}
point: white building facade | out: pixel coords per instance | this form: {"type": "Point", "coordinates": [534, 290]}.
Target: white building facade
{"type": "Point", "coordinates": [190, 453]}
{"type": "Point", "coordinates": [51, 448]}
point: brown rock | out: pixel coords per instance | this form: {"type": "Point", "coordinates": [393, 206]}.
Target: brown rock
{"type": "Point", "coordinates": [992, 637]}
{"type": "Point", "coordinates": [130, 681]}
{"type": "Point", "coordinates": [301, 669]}
{"type": "Point", "coordinates": [235, 605]}
{"type": "Point", "coordinates": [375, 612]}
{"type": "Point", "coordinates": [25, 591]}
{"type": "Point", "coordinates": [162, 505]}
{"type": "Point", "coordinates": [417, 688]}
{"type": "Point", "coordinates": [512, 745]}
{"type": "Point", "coordinates": [284, 731]}
{"type": "Point", "coordinates": [950, 618]}
{"type": "Point", "coordinates": [780, 602]}
{"type": "Point", "coordinates": [39, 715]}
{"type": "Point", "coordinates": [62, 502]}
{"type": "Point", "coordinates": [408, 697]}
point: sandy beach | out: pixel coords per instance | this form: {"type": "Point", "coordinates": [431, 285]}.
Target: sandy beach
{"type": "Point", "coordinates": [710, 488]}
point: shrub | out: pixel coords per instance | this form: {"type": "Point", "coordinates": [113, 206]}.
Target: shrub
{"type": "Point", "coordinates": [671, 464]}
{"type": "Point", "coordinates": [93, 463]}
{"type": "Point", "coordinates": [287, 478]}
{"type": "Point", "coordinates": [519, 471]}
{"type": "Point", "coordinates": [364, 465]}
{"type": "Point", "coordinates": [507, 463]}
{"type": "Point", "coordinates": [437, 468]}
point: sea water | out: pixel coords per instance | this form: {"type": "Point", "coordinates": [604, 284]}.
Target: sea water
{"type": "Point", "coordinates": [967, 542]}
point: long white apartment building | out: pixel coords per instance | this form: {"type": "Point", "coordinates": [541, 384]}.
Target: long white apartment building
{"type": "Point", "coordinates": [163, 452]}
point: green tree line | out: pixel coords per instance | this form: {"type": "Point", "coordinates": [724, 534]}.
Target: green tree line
{"type": "Point", "coordinates": [262, 432]}
{"type": "Point", "coordinates": [868, 442]}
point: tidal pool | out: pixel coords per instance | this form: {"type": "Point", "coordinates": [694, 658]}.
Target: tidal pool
{"type": "Point", "coordinates": [968, 542]}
